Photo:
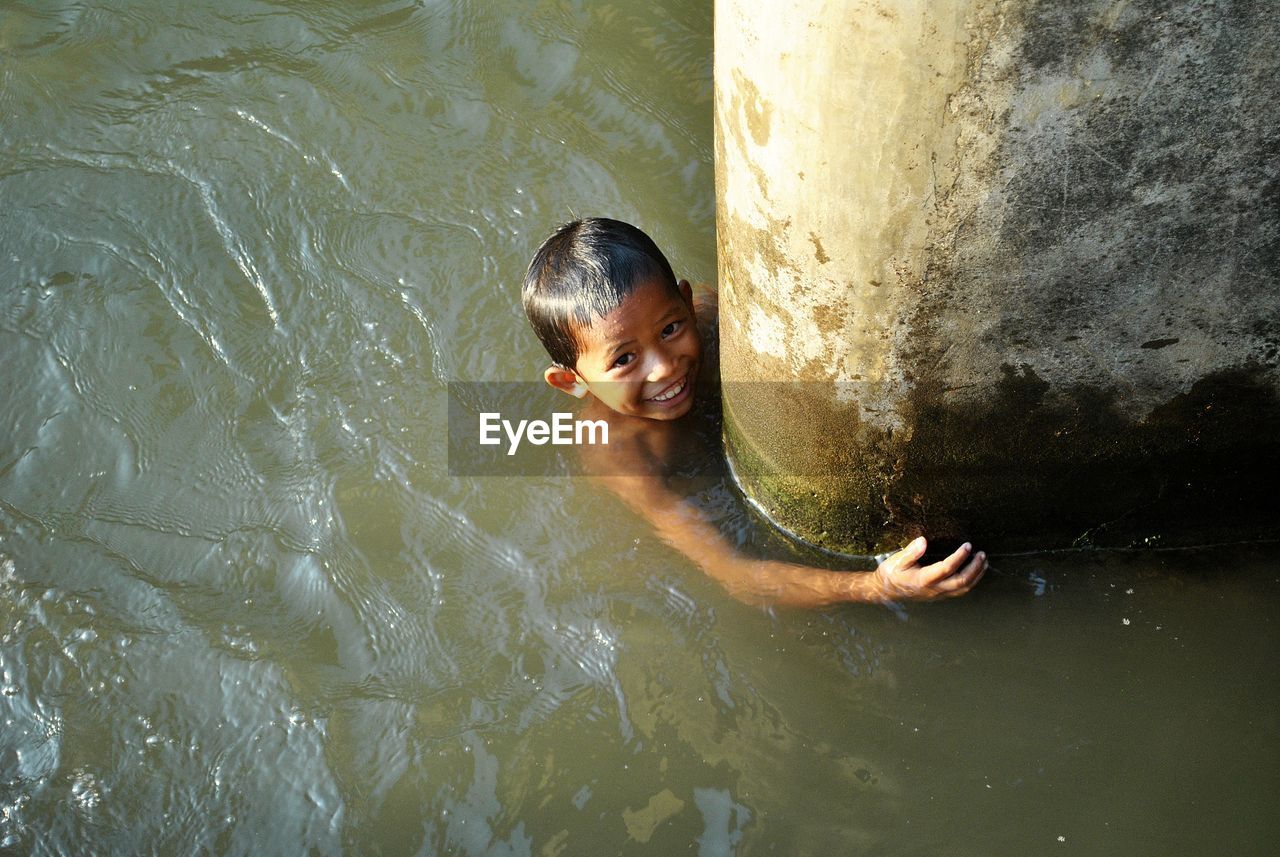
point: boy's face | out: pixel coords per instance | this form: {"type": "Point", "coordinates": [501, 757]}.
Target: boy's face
{"type": "Point", "coordinates": [641, 359]}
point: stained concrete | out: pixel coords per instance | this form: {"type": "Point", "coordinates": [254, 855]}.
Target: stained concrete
{"type": "Point", "coordinates": [1001, 270]}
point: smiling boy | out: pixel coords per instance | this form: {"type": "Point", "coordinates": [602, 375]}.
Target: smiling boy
{"type": "Point", "coordinates": [628, 338]}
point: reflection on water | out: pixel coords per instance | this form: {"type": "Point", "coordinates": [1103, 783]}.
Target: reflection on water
{"type": "Point", "coordinates": [244, 609]}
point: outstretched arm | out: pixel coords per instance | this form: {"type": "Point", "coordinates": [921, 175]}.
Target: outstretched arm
{"type": "Point", "coordinates": [898, 578]}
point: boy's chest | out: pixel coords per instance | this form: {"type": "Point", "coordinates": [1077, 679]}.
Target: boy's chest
{"type": "Point", "coordinates": [638, 447]}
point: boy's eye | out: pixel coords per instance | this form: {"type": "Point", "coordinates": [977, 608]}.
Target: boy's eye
{"type": "Point", "coordinates": [623, 360]}
{"type": "Point", "coordinates": [670, 328]}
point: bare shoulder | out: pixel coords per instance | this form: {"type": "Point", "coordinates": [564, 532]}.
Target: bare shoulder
{"type": "Point", "coordinates": [706, 300]}
{"type": "Point", "coordinates": [706, 311]}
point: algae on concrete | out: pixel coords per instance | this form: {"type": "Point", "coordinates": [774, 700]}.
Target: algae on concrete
{"type": "Point", "coordinates": [1004, 271]}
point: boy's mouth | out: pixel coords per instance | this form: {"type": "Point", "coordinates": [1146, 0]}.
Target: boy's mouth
{"type": "Point", "coordinates": [671, 393]}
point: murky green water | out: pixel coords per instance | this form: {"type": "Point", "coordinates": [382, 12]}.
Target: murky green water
{"type": "Point", "coordinates": [243, 608]}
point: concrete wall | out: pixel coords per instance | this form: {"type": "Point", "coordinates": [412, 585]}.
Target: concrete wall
{"type": "Point", "coordinates": [1000, 270]}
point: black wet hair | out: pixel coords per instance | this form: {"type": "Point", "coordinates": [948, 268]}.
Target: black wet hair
{"type": "Point", "coordinates": [584, 271]}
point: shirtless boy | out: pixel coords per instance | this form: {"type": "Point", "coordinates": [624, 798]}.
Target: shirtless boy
{"type": "Point", "coordinates": [631, 340]}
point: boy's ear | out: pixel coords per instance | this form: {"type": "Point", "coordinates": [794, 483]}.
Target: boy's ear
{"type": "Point", "coordinates": [686, 292]}
{"type": "Point", "coordinates": [566, 380]}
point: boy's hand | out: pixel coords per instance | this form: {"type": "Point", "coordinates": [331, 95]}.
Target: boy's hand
{"type": "Point", "coordinates": [902, 578]}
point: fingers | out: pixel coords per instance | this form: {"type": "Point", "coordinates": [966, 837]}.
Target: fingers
{"type": "Point", "coordinates": [946, 567]}
{"type": "Point", "coordinates": [966, 579]}
{"type": "Point", "coordinates": [955, 575]}
{"type": "Point", "coordinates": [909, 555]}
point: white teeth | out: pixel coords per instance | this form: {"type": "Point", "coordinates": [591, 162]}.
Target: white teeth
{"type": "Point", "coordinates": [671, 394]}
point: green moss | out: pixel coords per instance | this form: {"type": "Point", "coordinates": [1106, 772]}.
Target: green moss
{"type": "Point", "coordinates": [1029, 468]}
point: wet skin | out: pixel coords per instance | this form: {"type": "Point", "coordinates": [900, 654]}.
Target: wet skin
{"type": "Point", "coordinates": [643, 358]}
{"type": "Point", "coordinates": [640, 364]}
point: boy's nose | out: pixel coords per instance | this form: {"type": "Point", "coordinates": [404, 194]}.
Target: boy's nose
{"type": "Point", "coordinates": [663, 365]}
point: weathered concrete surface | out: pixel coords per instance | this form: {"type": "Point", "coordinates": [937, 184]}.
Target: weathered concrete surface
{"type": "Point", "coordinates": [1001, 270]}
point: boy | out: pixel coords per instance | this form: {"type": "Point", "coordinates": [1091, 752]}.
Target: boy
{"type": "Point", "coordinates": [630, 339]}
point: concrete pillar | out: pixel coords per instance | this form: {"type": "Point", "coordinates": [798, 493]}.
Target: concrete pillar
{"type": "Point", "coordinates": [1004, 271]}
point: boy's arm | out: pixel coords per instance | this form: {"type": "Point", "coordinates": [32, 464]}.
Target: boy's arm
{"type": "Point", "coordinates": [900, 577]}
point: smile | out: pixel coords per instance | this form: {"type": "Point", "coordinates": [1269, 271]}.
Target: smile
{"type": "Point", "coordinates": [671, 392]}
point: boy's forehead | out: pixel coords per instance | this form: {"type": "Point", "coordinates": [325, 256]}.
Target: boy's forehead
{"type": "Point", "coordinates": [602, 333]}
{"type": "Point", "coordinates": [647, 301]}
